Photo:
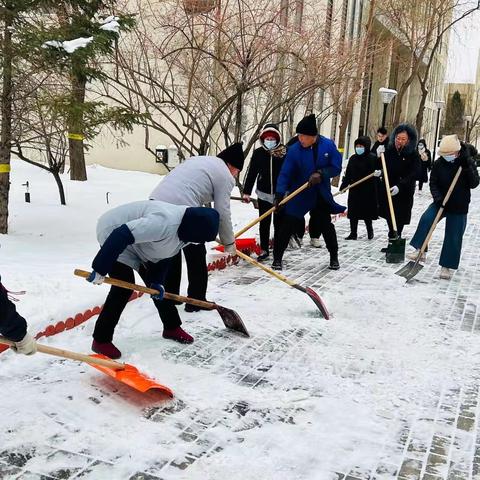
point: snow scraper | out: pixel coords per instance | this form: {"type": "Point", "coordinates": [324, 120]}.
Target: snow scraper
{"type": "Point", "coordinates": [230, 318]}
{"type": "Point", "coordinates": [413, 267]}
{"type": "Point", "coordinates": [396, 245]}
{"type": "Point", "coordinates": [309, 291]}
{"type": "Point", "coordinates": [123, 372]}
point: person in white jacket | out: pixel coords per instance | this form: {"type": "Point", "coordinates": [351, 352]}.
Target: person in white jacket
{"type": "Point", "coordinates": [143, 236]}
{"type": "Point", "coordinates": [198, 181]}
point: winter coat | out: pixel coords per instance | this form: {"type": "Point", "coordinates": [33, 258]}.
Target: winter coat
{"type": "Point", "coordinates": [138, 233]}
{"type": "Point", "coordinates": [442, 177]}
{"type": "Point", "coordinates": [362, 199]}
{"type": "Point", "coordinates": [196, 182]}
{"type": "Point", "coordinates": [265, 166]}
{"type": "Point", "coordinates": [402, 168]}
{"type": "Point", "coordinates": [12, 324]}
{"type": "Point", "coordinates": [299, 164]}
{"type": "Point", "coordinates": [425, 165]}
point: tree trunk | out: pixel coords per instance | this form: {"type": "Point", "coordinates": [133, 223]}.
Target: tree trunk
{"type": "Point", "coordinates": [421, 109]}
{"type": "Point", "coordinates": [341, 144]}
{"type": "Point", "coordinates": [6, 124]}
{"type": "Point", "coordinates": [76, 150]}
{"type": "Point", "coordinates": [61, 190]}
{"type": "Point", "coordinates": [239, 117]}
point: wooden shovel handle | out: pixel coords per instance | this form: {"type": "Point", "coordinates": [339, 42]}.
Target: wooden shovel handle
{"type": "Point", "coordinates": [354, 184]}
{"type": "Point", "coordinates": [265, 269]}
{"type": "Point", "coordinates": [150, 291]}
{"type": "Point", "coordinates": [440, 211]}
{"type": "Point", "coordinates": [58, 352]}
{"type": "Point", "coordinates": [271, 210]}
{"type": "Point", "coordinates": [389, 194]}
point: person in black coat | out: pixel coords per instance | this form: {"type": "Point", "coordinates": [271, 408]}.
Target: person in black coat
{"type": "Point", "coordinates": [265, 165]}
{"type": "Point", "coordinates": [13, 326]}
{"type": "Point", "coordinates": [381, 141]}
{"type": "Point", "coordinates": [403, 164]}
{"type": "Point", "coordinates": [425, 164]}
{"type": "Point", "coordinates": [362, 199]}
{"type": "Point", "coordinates": [452, 157]}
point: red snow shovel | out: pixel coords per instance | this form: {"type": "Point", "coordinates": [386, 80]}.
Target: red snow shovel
{"type": "Point", "coordinates": [412, 268]}
{"type": "Point", "coordinates": [123, 372]}
{"type": "Point", "coordinates": [230, 318]}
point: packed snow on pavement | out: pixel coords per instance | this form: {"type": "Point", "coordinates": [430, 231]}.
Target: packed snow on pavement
{"type": "Point", "coordinates": [303, 398]}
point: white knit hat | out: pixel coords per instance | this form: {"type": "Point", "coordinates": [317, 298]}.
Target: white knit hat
{"type": "Point", "coordinates": [449, 144]}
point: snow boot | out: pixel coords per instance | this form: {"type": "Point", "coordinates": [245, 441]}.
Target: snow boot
{"type": "Point", "coordinates": [194, 308]}
{"type": "Point", "coordinates": [178, 334]}
{"type": "Point", "coordinates": [445, 273]}
{"type": "Point", "coordinates": [413, 256]}
{"type": "Point", "coordinates": [108, 349]}
{"type": "Point", "coordinates": [315, 242]}
{"type": "Point", "coordinates": [263, 255]}
{"type": "Point", "coordinates": [277, 265]}
{"type": "Point", "coordinates": [352, 236]}
{"type": "Point", "coordinates": [334, 264]}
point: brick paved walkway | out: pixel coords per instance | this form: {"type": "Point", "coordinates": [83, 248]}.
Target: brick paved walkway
{"type": "Point", "coordinates": [425, 399]}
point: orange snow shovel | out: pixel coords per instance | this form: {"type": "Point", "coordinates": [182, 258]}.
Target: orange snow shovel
{"type": "Point", "coordinates": [230, 318]}
{"type": "Point", "coordinates": [123, 372]}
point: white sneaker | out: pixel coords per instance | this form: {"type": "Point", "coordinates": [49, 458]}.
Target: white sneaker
{"type": "Point", "coordinates": [315, 242]}
{"type": "Point", "coordinates": [413, 256]}
{"type": "Point", "coordinates": [445, 273]}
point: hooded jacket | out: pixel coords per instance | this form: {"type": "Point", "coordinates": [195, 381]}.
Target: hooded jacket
{"type": "Point", "coordinates": [403, 168]}
{"type": "Point", "coordinates": [362, 199]}
{"type": "Point", "coordinates": [299, 164]}
{"type": "Point", "coordinates": [264, 168]}
{"type": "Point", "coordinates": [442, 177]}
{"type": "Point", "coordinates": [425, 162]}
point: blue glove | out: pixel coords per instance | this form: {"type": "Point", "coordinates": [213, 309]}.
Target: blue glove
{"type": "Point", "coordinates": [161, 291]}
{"type": "Point", "coordinates": [95, 278]}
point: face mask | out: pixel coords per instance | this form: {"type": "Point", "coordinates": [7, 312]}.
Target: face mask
{"type": "Point", "coordinates": [450, 158]}
{"type": "Point", "coordinates": [421, 148]}
{"type": "Point", "coordinates": [269, 144]}
{"type": "Point", "coordinates": [359, 150]}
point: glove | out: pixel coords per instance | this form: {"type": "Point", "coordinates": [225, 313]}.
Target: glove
{"type": "Point", "coordinates": [246, 198]}
{"type": "Point", "coordinates": [27, 345]}
{"type": "Point", "coordinates": [377, 173]}
{"type": "Point", "coordinates": [95, 278]}
{"type": "Point", "coordinates": [315, 179]}
{"type": "Point", "coordinates": [161, 291]}
{"type": "Point", "coordinates": [276, 202]}
{"type": "Point", "coordinates": [380, 150]}
{"type": "Point", "coordinates": [394, 190]}
{"type": "Point", "coordinates": [230, 249]}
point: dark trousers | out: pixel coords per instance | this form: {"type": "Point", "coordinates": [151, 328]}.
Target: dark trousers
{"type": "Point", "coordinates": [320, 224]}
{"type": "Point", "coordinates": [452, 241]}
{"type": "Point", "coordinates": [400, 227]}
{"type": "Point", "coordinates": [354, 225]}
{"type": "Point", "coordinates": [263, 206]}
{"type": "Point", "coordinates": [117, 299]}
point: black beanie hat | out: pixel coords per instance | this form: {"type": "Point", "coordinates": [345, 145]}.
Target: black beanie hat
{"type": "Point", "coordinates": [233, 155]}
{"type": "Point", "coordinates": [308, 125]}
{"type": "Point", "coordinates": [198, 225]}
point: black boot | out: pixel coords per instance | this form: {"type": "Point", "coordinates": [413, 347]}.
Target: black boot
{"type": "Point", "coordinates": [334, 265]}
{"type": "Point", "coordinates": [277, 265]}
{"type": "Point", "coordinates": [352, 236]}
{"type": "Point", "coordinates": [370, 233]}
{"type": "Point", "coordinates": [263, 255]}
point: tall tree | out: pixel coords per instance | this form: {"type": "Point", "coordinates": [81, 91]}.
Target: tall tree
{"type": "Point", "coordinates": [454, 115]}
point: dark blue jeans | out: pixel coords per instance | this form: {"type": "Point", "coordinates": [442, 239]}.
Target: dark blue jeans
{"type": "Point", "coordinates": [452, 241]}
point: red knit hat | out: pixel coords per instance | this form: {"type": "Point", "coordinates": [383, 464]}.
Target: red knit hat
{"type": "Point", "coordinates": [270, 130]}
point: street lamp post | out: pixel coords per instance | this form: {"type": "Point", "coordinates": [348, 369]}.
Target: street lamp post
{"type": "Point", "coordinates": [439, 104]}
{"type": "Point", "coordinates": [387, 95]}
{"type": "Point", "coordinates": [468, 119]}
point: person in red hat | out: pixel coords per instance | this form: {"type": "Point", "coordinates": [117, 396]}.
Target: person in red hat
{"type": "Point", "coordinates": [264, 168]}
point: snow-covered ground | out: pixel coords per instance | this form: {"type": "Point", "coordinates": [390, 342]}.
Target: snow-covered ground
{"type": "Point", "coordinates": [388, 388]}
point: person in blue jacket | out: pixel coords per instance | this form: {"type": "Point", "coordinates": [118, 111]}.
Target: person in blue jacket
{"type": "Point", "coordinates": [314, 159]}
{"type": "Point", "coordinates": [13, 326]}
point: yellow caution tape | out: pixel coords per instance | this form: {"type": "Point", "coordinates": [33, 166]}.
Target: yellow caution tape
{"type": "Point", "coordinates": [4, 168]}
{"type": "Point", "coordinates": [76, 136]}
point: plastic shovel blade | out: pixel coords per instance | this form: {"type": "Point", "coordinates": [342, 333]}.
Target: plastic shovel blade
{"type": "Point", "coordinates": [132, 377]}
{"type": "Point", "coordinates": [240, 244]}
{"type": "Point", "coordinates": [317, 300]}
{"type": "Point", "coordinates": [409, 270]}
{"type": "Point", "coordinates": [231, 319]}
{"type": "Point", "coordinates": [395, 250]}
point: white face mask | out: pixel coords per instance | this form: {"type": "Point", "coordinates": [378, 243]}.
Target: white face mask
{"type": "Point", "coordinates": [421, 148]}
{"type": "Point", "coordinates": [270, 144]}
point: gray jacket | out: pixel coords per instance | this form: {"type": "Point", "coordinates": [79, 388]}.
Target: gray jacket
{"type": "Point", "coordinates": [154, 225]}
{"type": "Point", "coordinates": [197, 181]}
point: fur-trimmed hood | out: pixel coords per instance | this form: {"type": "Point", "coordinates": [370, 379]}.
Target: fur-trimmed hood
{"type": "Point", "coordinates": [412, 137]}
